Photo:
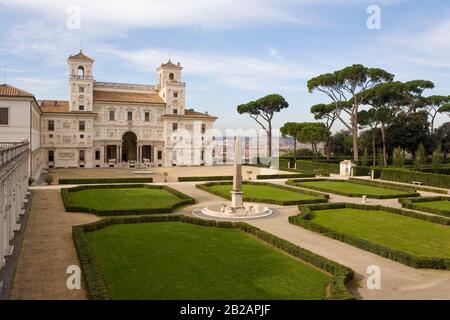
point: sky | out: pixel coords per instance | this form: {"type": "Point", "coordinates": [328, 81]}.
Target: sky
{"type": "Point", "coordinates": [232, 51]}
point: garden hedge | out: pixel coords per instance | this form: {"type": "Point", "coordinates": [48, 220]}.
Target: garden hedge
{"type": "Point", "coordinates": [96, 286]}
{"type": "Point", "coordinates": [411, 204]}
{"type": "Point", "coordinates": [285, 176]}
{"type": "Point", "coordinates": [299, 183]}
{"type": "Point", "coordinates": [322, 198]}
{"type": "Point", "coordinates": [105, 180]}
{"type": "Point", "coordinates": [407, 176]}
{"type": "Point", "coordinates": [311, 166]}
{"type": "Point", "coordinates": [307, 213]}
{"type": "Point", "coordinates": [208, 178]}
{"type": "Point", "coordinates": [359, 171]}
{"type": "Point", "coordinates": [393, 185]}
{"type": "Point", "coordinates": [71, 207]}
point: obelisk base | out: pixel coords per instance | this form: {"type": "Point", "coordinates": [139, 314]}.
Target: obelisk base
{"type": "Point", "coordinates": [237, 200]}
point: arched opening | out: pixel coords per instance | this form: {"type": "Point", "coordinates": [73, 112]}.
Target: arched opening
{"type": "Point", "coordinates": [171, 76]}
{"type": "Point", "coordinates": [80, 71]}
{"type": "Point", "coordinates": [129, 146]}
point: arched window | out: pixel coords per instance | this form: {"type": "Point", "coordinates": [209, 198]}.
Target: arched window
{"type": "Point", "coordinates": [171, 76]}
{"type": "Point", "coordinates": [80, 71]}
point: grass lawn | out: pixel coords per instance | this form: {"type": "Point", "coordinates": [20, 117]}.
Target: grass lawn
{"type": "Point", "coordinates": [123, 198]}
{"type": "Point", "coordinates": [174, 260]}
{"type": "Point", "coordinates": [443, 205]}
{"type": "Point", "coordinates": [252, 191]}
{"type": "Point", "coordinates": [413, 236]}
{"type": "Point", "coordinates": [351, 188]}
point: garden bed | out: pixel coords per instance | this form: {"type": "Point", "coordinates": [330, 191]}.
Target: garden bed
{"type": "Point", "coordinates": [414, 239]}
{"type": "Point", "coordinates": [266, 193]}
{"type": "Point", "coordinates": [193, 258]}
{"type": "Point", "coordinates": [353, 188]}
{"type": "Point", "coordinates": [105, 200]}
{"type": "Point", "coordinates": [435, 205]}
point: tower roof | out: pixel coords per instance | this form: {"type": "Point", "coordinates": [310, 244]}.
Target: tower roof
{"type": "Point", "coordinates": [170, 64]}
{"type": "Point", "coordinates": [80, 56]}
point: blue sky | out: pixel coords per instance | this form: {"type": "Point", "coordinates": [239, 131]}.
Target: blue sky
{"type": "Point", "coordinates": [232, 51]}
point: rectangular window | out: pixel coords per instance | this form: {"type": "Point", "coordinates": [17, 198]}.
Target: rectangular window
{"type": "Point", "coordinates": [175, 111]}
{"type": "Point", "coordinates": [81, 108]}
{"type": "Point", "coordinates": [81, 125]}
{"type": "Point", "coordinates": [174, 126]}
{"type": "Point", "coordinates": [97, 154]}
{"type": "Point", "coordinates": [51, 155]}
{"type": "Point", "coordinates": [175, 94]}
{"type": "Point", "coordinates": [81, 89]}
{"type": "Point", "coordinates": [147, 116]}
{"type": "Point", "coordinates": [203, 128]}
{"type": "Point", "coordinates": [111, 116]}
{"type": "Point", "coordinates": [130, 115]}
{"type": "Point", "coordinates": [81, 136]}
{"type": "Point", "coordinates": [159, 155]}
{"type": "Point", "coordinates": [81, 155]}
{"type": "Point", "coordinates": [51, 125]}
{"type": "Point", "coordinates": [4, 116]}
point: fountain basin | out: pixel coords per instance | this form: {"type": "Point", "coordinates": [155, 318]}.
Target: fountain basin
{"type": "Point", "coordinates": [224, 210]}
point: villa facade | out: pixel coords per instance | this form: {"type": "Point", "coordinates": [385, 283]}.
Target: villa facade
{"type": "Point", "coordinates": [110, 124]}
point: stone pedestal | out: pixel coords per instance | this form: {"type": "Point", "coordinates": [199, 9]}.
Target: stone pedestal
{"type": "Point", "coordinates": [237, 200]}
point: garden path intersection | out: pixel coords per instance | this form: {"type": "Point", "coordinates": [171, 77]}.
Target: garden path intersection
{"type": "Point", "coordinates": [398, 281]}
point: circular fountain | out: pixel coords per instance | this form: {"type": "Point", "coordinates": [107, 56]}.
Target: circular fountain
{"type": "Point", "coordinates": [236, 209]}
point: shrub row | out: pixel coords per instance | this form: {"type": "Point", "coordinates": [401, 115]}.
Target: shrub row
{"type": "Point", "coordinates": [105, 180]}
{"type": "Point", "coordinates": [97, 289]}
{"type": "Point", "coordinates": [359, 171]}
{"type": "Point", "coordinates": [208, 178]}
{"type": "Point", "coordinates": [411, 204]}
{"type": "Point", "coordinates": [393, 185]}
{"type": "Point", "coordinates": [299, 183]}
{"type": "Point", "coordinates": [311, 166]}
{"type": "Point", "coordinates": [307, 213]}
{"type": "Point", "coordinates": [71, 207]}
{"type": "Point", "coordinates": [285, 176]}
{"type": "Point", "coordinates": [443, 170]}
{"type": "Point", "coordinates": [321, 198]}
{"type": "Point", "coordinates": [403, 175]}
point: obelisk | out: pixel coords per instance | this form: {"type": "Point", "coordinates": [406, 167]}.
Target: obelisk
{"type": "Point", "coordinates": [236, 194]}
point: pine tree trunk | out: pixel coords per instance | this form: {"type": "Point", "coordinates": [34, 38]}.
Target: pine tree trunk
{"type": "Point", "coordinates": [383, 137]}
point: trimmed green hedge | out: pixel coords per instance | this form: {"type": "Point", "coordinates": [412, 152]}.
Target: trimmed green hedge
{"type": "Point", "coordinates": [359, 171]}
{"type": "Point", "coordinates": [285, 176]}
{"type": "Point", "coordinates": [298, 183]}
{"type": "Point", "coordinates": [411, 204]}
{"type": "Point", "coordinates": [97, 288]}
{"type": "Point", "coordinates": [311, 166]}
{"type": "Point", "coordinates": [71, 207]}
{"type": "Point", "coordinates": [306, 213]}
{"type": "Point", "coordinates": [393, 185]}
{"type": "Point", "coordinates": [322, 198]}
{"type": "Point", "coordinates": [407, 176]}
{"type": "Point", "coordinates": [208, 178]}
{"type": "Point", "coordinates": [105, 180]}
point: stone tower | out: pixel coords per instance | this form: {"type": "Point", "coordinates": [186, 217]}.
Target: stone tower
{"type": "Point", "coordinates": [171, 88]}
{"type": "Point", "coordinates": [81, 82]}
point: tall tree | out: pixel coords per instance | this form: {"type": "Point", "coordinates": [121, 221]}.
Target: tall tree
{"type": "Point", "coordinates": [292, 129]}
{"type": "Point", "coordinates": [433, 105]}
{"type": "Point", "coordinates": [385, 99]}
{"type": "Point", "coordinates": [263, 111]}
{"type": "Point", "coordinates": [443, 136]}
{"type": "Point", "coordinates": [445, 109]}
{"type": "Point", "coordinates": [344, 85]}
{"type": "Point", "coordinates": [314, 133]}
{"type": "Point", "coordinates": [413, 94]}
{"type": "Point", "coordinates": [367, 118]}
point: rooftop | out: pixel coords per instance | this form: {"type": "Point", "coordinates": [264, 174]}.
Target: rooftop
{"type": "Point", "coordinates": [9, 91]}
{"type": "Point", "coordinates": [80, 56]}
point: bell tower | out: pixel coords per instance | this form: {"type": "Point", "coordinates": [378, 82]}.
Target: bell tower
{"type": "Point", "coordinates": [81, 82]}
{"type": "Point", "coordinates": [171, 88]}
